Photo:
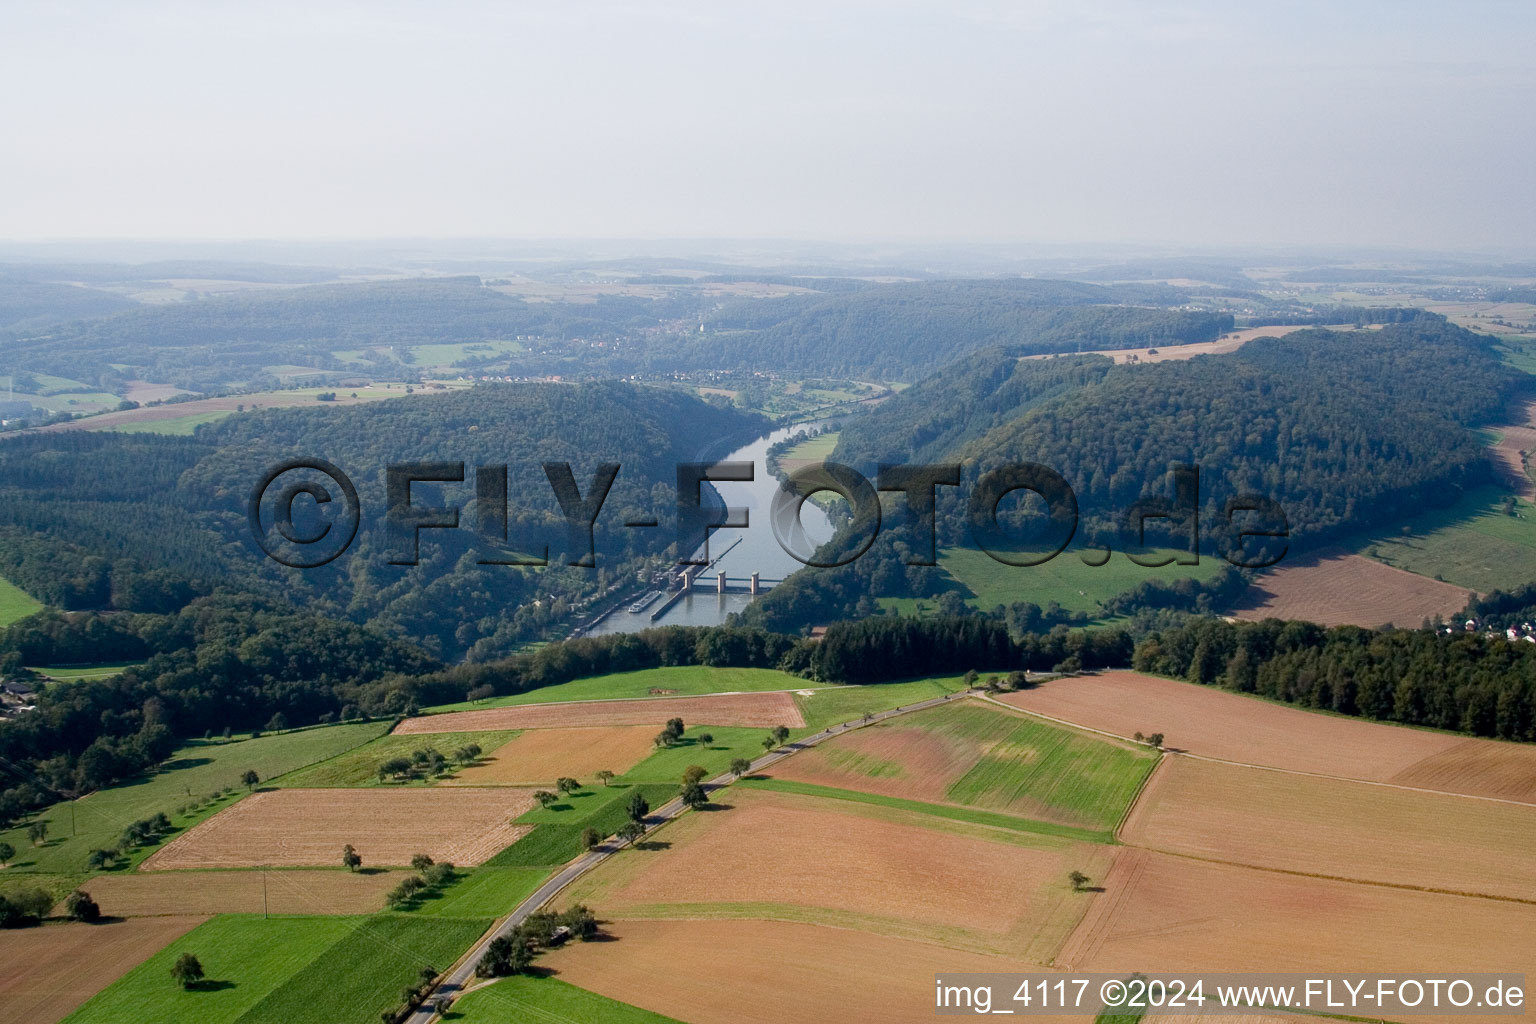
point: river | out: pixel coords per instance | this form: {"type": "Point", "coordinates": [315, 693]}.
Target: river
{"type": "Point", "coordinates": [754, 549]}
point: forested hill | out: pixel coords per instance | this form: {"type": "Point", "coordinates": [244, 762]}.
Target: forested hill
{"type": "Point", "coordinates": [207, 342]}
{"type": "Point", "coordinates": [904, 331]}
{"type": "Point", "coordinates": [86, 517]}
{"type": "Point", "coordinates": [1343, 430]}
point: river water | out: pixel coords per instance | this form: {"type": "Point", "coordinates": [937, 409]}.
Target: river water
{"type": "Point", "coordinates": [754, 549]}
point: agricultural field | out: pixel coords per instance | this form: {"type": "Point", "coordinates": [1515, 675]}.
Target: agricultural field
{"type": "Point", "coordinates": [669, 681]}
{"type": "Point", "coordinates": [823, 708]}
{"type": "Point", "coordinates": [548, 1000]}
{"type": "Point", "coordinates": [555, 835]}
{"type": "Point", "coordinates": [360, 765]}
{"type": "Point", "coordinates": [1066, 579]}
{"type": "Point", "coordinates": [983, 756]}
{"type": "Point", "coordinates": [1161, 913]}
{"type": "Point", "coordinates": [75, 673]}
{"type": "Point", "coordinates": [761, 710]}
{"type": "Point", "coordinates": [1246, 730]}
{"type": "Point", "coordinates": [1319, 826]}
{"type": "Point", "coordinates": [482, 892]}
{"type": "Point", "coordinates": [1474, 544]}
{"type": "Point", "coordinates": [15, 603]}
{"type": "Point", "coordinates": [766, 972]}
{"type": "Point", "coordinates": [540, 756]}
{"type": "Point", "coordinates": [286, 970]}
{"type": "Point", "coordinates": [45, 973]}
{"type": "Point", "coordinates": [440, 356]}
{"type": "Point", "coordinates": [767, 855]}
{"type": "Point", "coordinates": [308, 827]}
{"type": "Point", "coordinates": [1335, 588]}
{"type": "Point", "coordinates": [181, 788]}
{"type": "Point", "coordinates": [206, 893]}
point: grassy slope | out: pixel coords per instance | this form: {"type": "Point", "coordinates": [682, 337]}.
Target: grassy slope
{"type": "Point", "coordinates": [556, 836]}
{"type": "Point", "coordinates": [686, 680]}
{"type": "Point", "coordinates": [244, 959]}
{"type": "Point", "coordinates": [1065, 579]}
{"type": "Point", "coordinates": [295, 970]}
{"type": "Point", "coordinates": [548, 1000]}
{"type": "Point", "coordinates": [992, 819]}
{"type": "Point", "coordinates": [198, 767]}
{"type": "Point", "coordinates": [1472, 544]}
{"type": "Point", "coordinates": [74, 673]}
{"type": "Point", "coordinates": [15, 603]}
{"type": "Point", "coordinates": [359, 766]}
{"type": "Point", "coordinates": [847, 703]}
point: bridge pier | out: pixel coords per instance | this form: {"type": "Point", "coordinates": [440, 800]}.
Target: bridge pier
{"type": "Point", "coordinates": [754, 587]}
{"type": "Point", "coordinates": [720, 581]}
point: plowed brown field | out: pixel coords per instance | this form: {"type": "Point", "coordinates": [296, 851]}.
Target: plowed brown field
{"type": "Point", "coordinates": [307, 827]}
{"type": "Point", "coordinates": [540, 756]}
{"type": "Point", "coordinates": [1341, 589]}
{"type": "Point", "coordinates": [769, 972]}
{"type": "Point", "coordinates": [1165, 913]}
{"type": "Point", "coordinates": [896, 760]}
{"type": "Point", "coordinates": [1214, 723]}
{"type": "Point", "coordinates": [157, 893]}
{"type": "Point", "coordinates": [45, 973]}
{"type": "Point", "coordinates": [789, 857]}
{"type": "Point", "coordinates": [1343, 829]}
{"type": "Point", "coordinates": [764, 710]}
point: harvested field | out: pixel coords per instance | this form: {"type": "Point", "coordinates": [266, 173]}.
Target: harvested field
{"type": "Point", "coordinates": [772, 971]}
{"type": "Point", "coordinates": [1229, 342]}
{"type": "Point", "coordinates": [1320, 826]}
{"type": "Point", "coordinates": [1481, 767]}
{"type": "Point", "coordinates": [1337, 589]}
{"type": "Point", "coordinates": [157, 893]}
{"type": "Point", "coordinates": [759, 710]}
{"type": "Point", "coordinates": [1513, 440]}
{"type": "Point", "coordinates": [1163, 913]}
{"type": "Point", "coordinates": [1213, 723]}
{"type": "Point", "coordinates": [307, 827]}
{"type": "Point", "coordinates": [980, 755]}
{"type": "Point", "coordinates": [45, 973]}
{"type": "Point", "coordinates": [544, 755]}
{"type": "Point", "coordinates": [782, 857]}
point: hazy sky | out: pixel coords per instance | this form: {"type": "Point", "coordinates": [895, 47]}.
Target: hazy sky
{"type": "Point", "coordinates": [1228, 123]}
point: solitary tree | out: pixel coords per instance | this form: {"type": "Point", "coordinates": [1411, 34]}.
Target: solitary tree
{"type": "Point", "coordinates": [706, 739]}
{"type": "Point", "coordinates": [769, 742]}
{"type": "Point", "coordinates": [37, 832]}
{"type": "Point", "coordinates": [80, 907]}
{"type": "Point", "coordinates": [187, 970]}
{"type": "Point", "coordinates": [249, 779]}
{"type": "Point", "coordinates": [631, 831]}
{"type": "Point", "coordinates": [1078, 880]}
{"type": "Point", "coordinates": [605, 776]}
{"type": "Point", "coordinates": [545, 797]}
{"type": "Point", "coordinates": [693, 773]}
{"type": "Point", "coordinates": [420, 862]}
{"type": "Point", "coordinates": [581, 922]}
{"type": "Point", "coordinates": [7, 854]}
{"type": "Point", "coordinates": [350, 859]}
{"type": "Point", "coordinates": [567, 784]}
{"type": "Point", "coordinates": [780, 733]}
{"type": "Point", "coordinates": [664, 739]}
{"type": "Point", "coordinates": [693, 795]}
{"type": "Point", "coordinates": [98, 859]}
{"type": "Point", "coordinates": [740, 766]}
{"type": "Point", "coordinates": [1155, 739]}
{"type": "Point", "coordinates": [638, 807]}
{"type": "Point", "coordinates": [675, 727]}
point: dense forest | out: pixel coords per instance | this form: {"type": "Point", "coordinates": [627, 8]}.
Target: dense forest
{"type": "Point", "coordinates": [143, 522]}
{"type": "Point", "coordinates": [1464, 682]}
{"type": "Point", "coordinates": [1342, 430]}
{"type": "Point", "coordinates": [900, 331]}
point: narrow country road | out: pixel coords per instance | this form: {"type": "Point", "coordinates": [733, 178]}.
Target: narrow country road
{"type": "Point", "coordinates": [463, 972]}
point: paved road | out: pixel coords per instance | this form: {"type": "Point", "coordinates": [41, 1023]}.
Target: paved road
{"type": "Point", "coordinates": [463, 973]}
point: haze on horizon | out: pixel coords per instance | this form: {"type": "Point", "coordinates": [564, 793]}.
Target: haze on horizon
{"type": "Point", "coordinates": [1367, 124]}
